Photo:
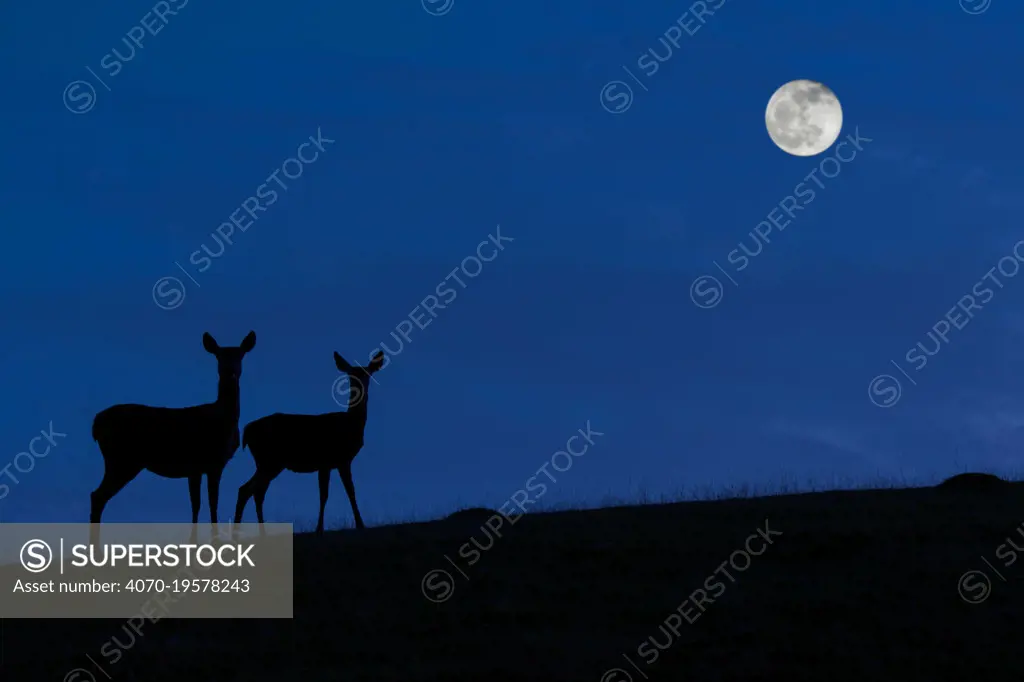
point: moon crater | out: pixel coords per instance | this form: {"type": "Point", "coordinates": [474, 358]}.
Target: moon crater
{"type": "Point", "coordinates": [804, 117]}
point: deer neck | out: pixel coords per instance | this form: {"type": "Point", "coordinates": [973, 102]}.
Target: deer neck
{"type": "Point", "coordinates": [228, 399]}
{"type": "Point", "coordinates": [358, 411]}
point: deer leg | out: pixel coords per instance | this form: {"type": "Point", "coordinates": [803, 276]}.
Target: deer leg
{"type": "Point", "coordinates": [262, 482]}
{"type": "Point", "coordinates": [244, 493]}
{"type": "Point", "coordinates": [213, 492]}
{"type": "Point", "coordinates": [111, 485]}
{"type": "Point", "coordinates": [194, 488]}
{"type": "Point", "coordinates": [324, 476]}
{"type": "Point", "coordinates": [350, 488]}
{"type": "Point", "coordinates": [258, 495]}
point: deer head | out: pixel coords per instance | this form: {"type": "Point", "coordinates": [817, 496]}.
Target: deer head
{"type": "Point", "coordinates": [229, 359]}
{"type": "Point", "coordinates": [358, 377]}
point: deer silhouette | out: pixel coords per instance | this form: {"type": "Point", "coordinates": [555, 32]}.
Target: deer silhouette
{"type": "Point", "coordinates": [305, 443]}
{"type": "Point", "coordinates": [173, 442]}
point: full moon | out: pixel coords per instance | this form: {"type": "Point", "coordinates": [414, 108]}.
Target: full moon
{"type": "Point", "coordinates": [804, 117]}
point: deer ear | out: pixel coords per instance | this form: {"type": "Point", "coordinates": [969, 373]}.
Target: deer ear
{"type": "Point", "coordinates": [377, 362]}
{"type": "Point", "coordinates": [341, 362]}
{"type": "Point", "coordinates": [209, 344]}
{"type": "Point", "coordinates": [249, 342]}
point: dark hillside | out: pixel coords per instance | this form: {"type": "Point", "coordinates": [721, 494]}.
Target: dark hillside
{"type": "Point", "coordinates": [860, 585]}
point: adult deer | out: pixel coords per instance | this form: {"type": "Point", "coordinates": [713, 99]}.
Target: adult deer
{"type": "Point", "coordinates": [173, 442]}
{"type": "Point", "coordinates": [305, 443]}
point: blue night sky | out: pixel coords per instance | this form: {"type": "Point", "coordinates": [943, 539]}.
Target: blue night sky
{"type": "Point", "coordinates": [445, 127]}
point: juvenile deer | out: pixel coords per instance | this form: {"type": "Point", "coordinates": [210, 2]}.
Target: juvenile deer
{"type": "Point", "coordinates": [173, 442]}
{"type": "Point", "coordinates": [305, 443]}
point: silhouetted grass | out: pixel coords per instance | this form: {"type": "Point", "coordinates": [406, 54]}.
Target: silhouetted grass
{"type": "Point", "coordinates": [861, 584]}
